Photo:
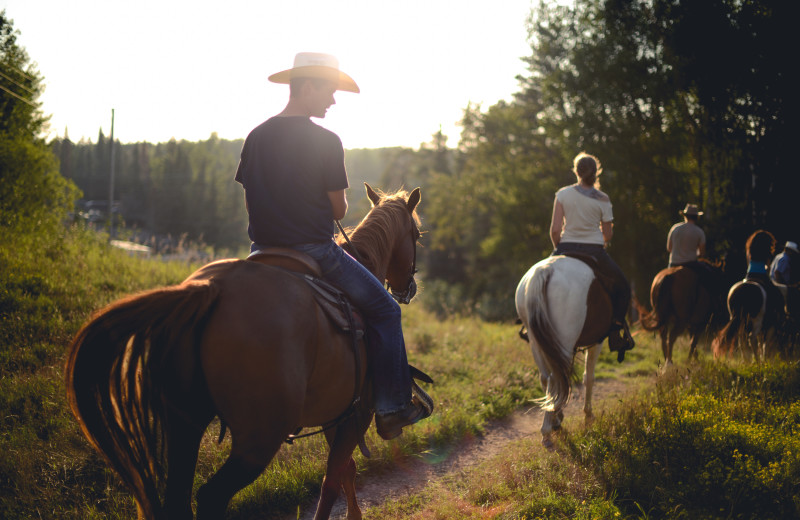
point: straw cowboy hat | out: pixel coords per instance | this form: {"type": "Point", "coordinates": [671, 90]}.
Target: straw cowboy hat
{"type": "Point", "coordinates": [316, 65]}
{"type": "Point", "coordinates": [691, 209]}
{"type": "Point", "coordinates": [791, 245]}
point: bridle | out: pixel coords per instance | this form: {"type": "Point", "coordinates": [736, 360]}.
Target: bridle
{"type": "Point", "coordinates": [411, 289]}
{"type": "Point", "coordinates": [408, 294]}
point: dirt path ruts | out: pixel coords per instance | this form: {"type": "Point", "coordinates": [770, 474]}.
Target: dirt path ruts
{"type": "Point", "coordinates": [413, 474]}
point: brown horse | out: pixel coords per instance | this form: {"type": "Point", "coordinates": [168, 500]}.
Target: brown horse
{"type": "Point", "coordinates": [684, 299]}
{"type": "Point", "coordinates": [242, 341]}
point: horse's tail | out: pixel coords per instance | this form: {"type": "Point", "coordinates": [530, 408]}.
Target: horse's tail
{"type": "Point", "coordinates": [558, 357]}
{"type": "Point", "coordinates": [743, 306]}
{"type": "Point", "coordinates": [114, 385]}
{"type": "Point", "coordinates": [661, 302]}
{"type": "Point", "coordinates": [725, 341]}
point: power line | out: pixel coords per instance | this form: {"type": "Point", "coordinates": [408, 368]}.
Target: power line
{"type": "Point", "coordinates": [20, 85]}
{"type": "Point", "coordinates": [18, 97]}
{"type": "Point", "coordinates": [19, 71]}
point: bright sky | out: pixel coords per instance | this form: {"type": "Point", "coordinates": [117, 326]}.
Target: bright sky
{"type": "Point", "coordinates": [187, 68]}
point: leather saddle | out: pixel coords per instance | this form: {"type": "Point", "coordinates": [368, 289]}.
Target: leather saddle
{"type": "Point", "coordinates": [330, 299]}
{"type": "Point", "coordinates": [606, 282]}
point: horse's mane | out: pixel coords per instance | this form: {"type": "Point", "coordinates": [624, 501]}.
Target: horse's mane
{"type": "Point", "coordinates": [374, 236]}
{"type": "Point", "coordinates": [760, 246]}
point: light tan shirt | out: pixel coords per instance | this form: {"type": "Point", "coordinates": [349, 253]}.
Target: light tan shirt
{"type": "Point", "coordinates": [684, 241]}
{"type": "Point", "coordinates": [584, 210]}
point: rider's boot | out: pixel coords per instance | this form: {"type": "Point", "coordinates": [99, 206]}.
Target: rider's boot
{"type": "Point", "coordinates": [391, 425]}
{"type": "Point", "coordinates": [620, 339]}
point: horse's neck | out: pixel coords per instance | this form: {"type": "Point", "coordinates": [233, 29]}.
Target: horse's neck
{"type": "Point", "coordinates": [374, 259]}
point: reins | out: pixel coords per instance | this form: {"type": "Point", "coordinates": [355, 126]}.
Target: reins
{"type": "Point", "coordinates": [405, 296]}
{"type": "Point", "coordinates": [352, 247]}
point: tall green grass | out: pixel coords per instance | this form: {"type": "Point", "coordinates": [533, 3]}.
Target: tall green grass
{"type": "Point", "coordinates": [49, 285]}
{"type": "Point", "coordinates": [713, 440]}
{"type": "Point", "coordinates": [718, 441]}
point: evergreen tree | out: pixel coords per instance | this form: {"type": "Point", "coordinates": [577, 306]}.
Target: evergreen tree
{"type": "Point", "coordinates": [32, 191]}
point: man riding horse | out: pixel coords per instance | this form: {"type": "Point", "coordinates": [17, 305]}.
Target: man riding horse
{"type": "Point", "coordinates": [686, 244]}
{"type": "Point", "coordinates": [294, 178]}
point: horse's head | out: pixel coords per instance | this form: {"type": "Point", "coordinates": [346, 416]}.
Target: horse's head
{"type": "Point", "coordinates": [387, 240]}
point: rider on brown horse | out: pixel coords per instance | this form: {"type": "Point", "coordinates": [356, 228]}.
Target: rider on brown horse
{"type": "Point", "coordinates": [582, 226]}
{"type": "Point", "coordinates": [294, 178]}
{"type": "Point", "coordinates": [686, 243]}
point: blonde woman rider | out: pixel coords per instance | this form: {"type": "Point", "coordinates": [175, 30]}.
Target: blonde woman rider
{"type": "Point", "coordinates": [583, 223]}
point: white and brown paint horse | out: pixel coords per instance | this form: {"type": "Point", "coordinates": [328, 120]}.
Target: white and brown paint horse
{"type": "Point", "coordinates": [564, 308]}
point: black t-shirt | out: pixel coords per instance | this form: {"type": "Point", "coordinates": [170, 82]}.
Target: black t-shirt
{"type": "Point", "coordinates": [288, 166]}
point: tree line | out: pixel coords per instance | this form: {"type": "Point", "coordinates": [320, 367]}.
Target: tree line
{"type": "Point", "coordinates": [187, 189]}
{"type": "Point", "coordinates": [682, 102]}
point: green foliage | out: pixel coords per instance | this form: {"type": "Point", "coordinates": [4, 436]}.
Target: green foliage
{"type": "Point", "coordinates": [719, 443]}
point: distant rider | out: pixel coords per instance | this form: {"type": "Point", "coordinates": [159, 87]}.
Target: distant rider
{"type": "Point", "coordinates": [686, 241]}
{"type": "Point", "coordinates": [785, 279]}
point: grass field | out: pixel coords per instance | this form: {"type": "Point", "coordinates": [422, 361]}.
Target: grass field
{"type": "Point", "coordinates": [709, 440]}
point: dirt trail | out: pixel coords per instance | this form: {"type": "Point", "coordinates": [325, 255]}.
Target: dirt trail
{"type": "Point", "coordinates": [412, 475]}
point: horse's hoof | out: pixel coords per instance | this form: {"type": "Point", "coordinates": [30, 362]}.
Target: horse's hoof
{"type": "Point", "coordinates": [548, 443]}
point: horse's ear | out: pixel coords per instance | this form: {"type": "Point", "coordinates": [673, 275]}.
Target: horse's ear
{"type": "Point", "coordinates": [374, 197]}
{"type": "Point", "coordinates": [414, 199]}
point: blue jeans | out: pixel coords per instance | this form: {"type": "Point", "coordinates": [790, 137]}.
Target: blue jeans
{"type": "Point", "coordinates": [387, 349]}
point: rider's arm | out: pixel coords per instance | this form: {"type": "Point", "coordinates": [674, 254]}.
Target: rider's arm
{"type": "Point", "coordinates": [608, 231]}
{"type": "Point", "coordinates": [701, 249]}
{"type": "Point", "coordinates": [338, 204]}
{"type": "Point", "coordinates": [557, 224]}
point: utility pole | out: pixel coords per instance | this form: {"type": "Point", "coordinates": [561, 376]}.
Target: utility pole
{"type": "Point", "coordinates": [111, 183]}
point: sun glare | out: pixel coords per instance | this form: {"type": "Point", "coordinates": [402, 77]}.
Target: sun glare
{"type": "Point", "coordinates": [201, 68]}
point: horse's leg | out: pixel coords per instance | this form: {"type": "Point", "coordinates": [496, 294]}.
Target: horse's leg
{"type": "Point", "coordinates": [547, 429]}
{"type": "Point", "coordinates": [348, 482]}
{"type": "Point", "coordinates": [349, 487]}
{"type": "Point", "coordinates": [247, 460]}
{"type": "Point", "coordinates": [666, 348]}
{"type": "Point", "coordinates": [183, 439]}
{"type": "Point", "coordinates": [745, 346]}
{"type": "Point", "coordinates": [695, 337]}
{"type": "Point", "coordinates": [592, 355]}
{"type": "Point", "coordinates": [340, 472]}
{"type": "Point", "coordinates": [672, 337]}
